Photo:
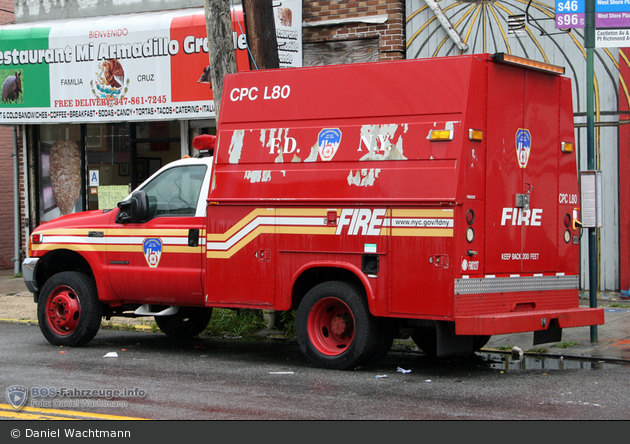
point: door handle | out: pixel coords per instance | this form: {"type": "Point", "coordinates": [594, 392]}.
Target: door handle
{"type": "Point", "coordinates": [193, 237]}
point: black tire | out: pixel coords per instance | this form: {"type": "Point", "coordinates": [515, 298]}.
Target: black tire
{"type": "Point", "coordinates": [68, 309]}
{"type": "Point", "coordinates": [186, 323]}
{"type": "Point", "coordinates": [336, 330]}
{"type": "Point", "coordinates": [426, 340]}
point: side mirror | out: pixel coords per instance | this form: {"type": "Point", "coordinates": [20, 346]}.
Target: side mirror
{"type": "Point", "coordinates": [134, 209]}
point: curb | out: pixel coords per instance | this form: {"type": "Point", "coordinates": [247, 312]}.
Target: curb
{"type": "Point", "coordinates": [142, 328]}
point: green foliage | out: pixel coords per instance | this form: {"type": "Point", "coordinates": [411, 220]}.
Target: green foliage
{"type": "Point", "coordinates": [566, 344]}
{"type": "Point", "coordinates": [538, 350]}
{"type": "Point", "coordinates": [111, 326]}
{"type": "Point", "coordinates": [286, 323]}
{"type": "Point", "coordinates": [235, 322]}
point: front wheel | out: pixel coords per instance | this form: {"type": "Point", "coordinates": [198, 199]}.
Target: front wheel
{"type": "Point", "coordinates": [186, 323]}
{"type": "Point", "coordinates": [336, 330]}
{"type": "Point", "coordinates": [68, 309]}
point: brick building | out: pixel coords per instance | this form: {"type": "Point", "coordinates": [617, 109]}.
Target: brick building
{"type": "Point", "coordinates": [6, 172]}
{"type": "Point", "coordinates": [337, 32]}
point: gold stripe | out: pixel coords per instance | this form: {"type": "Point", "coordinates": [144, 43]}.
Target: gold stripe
{"type": "Point", "coordinates": [180, 249]}
{"type": "Point", "coordinates": [264, 229]}
{"type": "Point", "coordinates": [116, 248]}
{"type": "Point", "coordinates": [73, 247]}
{"type": "Point", "coordinates": [177, 232]}
{"type": "Point", "coordinates": [305, 230]}
{"type": "Point", "coordinates": [125, 248]}
{"type": "Point", "coordinates": [323, 212]}
{"type": "Point", "coordinates": [69, 231]}
{"type": "Point", "coordinates": [214, 237]}
{"type": "Point", "coordinates": [167, 232]}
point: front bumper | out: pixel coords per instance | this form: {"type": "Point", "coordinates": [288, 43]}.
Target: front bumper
{"type": "Point", "coordinates": [29, 267]}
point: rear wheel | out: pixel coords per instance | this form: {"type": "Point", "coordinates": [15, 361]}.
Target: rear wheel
{"type": "Point", "coordinates": [186, 323]}
{"type": "Point", "coordinates": [68, 309]}
{"type": "Point", "coordinates": [336, 330]}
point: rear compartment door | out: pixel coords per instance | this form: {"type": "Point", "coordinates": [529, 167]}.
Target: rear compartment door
{"type": "Point", "coordinates": [522, 165]}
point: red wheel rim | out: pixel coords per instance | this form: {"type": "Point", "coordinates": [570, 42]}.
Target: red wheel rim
{"type": "Point", "coordinates": [331, 326]}
{"type": "Point", "coordinates": [63, 310]}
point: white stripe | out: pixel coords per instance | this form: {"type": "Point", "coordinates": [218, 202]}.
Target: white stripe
{"type": "Point", "coordinates": [113, 240]}
{"type": "Point", "coordinates": [265, 220]}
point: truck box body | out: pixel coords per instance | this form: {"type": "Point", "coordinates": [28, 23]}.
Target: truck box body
{"type": "Point", "coordinates": [354, 140]}
{"type": "Point", "coordinates": [435, 198]}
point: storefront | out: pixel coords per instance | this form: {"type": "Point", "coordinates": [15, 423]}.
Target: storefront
{"type": "Point", "coordinates": [105, 102]}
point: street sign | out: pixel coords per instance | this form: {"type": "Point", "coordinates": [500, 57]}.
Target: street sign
{"type": "Point", "coordinates": [612, 38]}
{"type": "Point", "coordinates": [570, 13]}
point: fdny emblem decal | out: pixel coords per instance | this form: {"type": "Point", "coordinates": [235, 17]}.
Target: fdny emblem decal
{"type": "Point", "coordinates": [152, 247]}
{"type": "Point", "coordinates": [328, 142]}
{"type": "Point", "coordinates": [523, 146]}
{"type": "Point", "coordinates": [17, 396]}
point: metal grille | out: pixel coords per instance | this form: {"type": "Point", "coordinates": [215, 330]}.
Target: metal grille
{"type": "Point", "coordinates": [515, 284]}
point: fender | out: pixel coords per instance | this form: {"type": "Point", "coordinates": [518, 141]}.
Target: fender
{"type": "Point", "coordinates": [287, 299]}
{"type": "Point", "coordinates": [99, 272]}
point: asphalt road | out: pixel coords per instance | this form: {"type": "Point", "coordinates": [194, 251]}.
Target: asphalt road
{"type": "Point", "coordinates": [215, 379]}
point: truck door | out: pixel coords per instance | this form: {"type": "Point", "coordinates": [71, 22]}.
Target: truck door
{"type": "Point", "coordinates": [160, 261]}
{"type": "Point", "coordinates": [241, 255]}
{"type": "Point", "coordinates": [522, 166]}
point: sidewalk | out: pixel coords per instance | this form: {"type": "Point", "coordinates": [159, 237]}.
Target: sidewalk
{"type": "Point", "coordinates": [613, 338]}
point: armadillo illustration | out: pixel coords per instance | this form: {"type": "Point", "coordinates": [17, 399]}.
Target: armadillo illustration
{"type": "Point", "coordinates": [12, 87]}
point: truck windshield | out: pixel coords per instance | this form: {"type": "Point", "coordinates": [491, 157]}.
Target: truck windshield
{"type": "Point", "coordinates": [175, 191]}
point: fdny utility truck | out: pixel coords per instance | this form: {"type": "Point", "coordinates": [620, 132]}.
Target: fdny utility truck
{"type": "Point", "coordinates": [435, 199]}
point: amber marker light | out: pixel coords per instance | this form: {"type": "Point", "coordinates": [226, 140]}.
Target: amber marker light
{"type": "Point", "coordinates": [475, 135]}
{"type": "Point", "coordinates": [36, 238]}
{"type": "Point", "coordinates": [527, 63]}
{"type": "Point", "coordinates": [441, 135]}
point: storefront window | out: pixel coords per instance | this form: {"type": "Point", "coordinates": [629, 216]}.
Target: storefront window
{"type": "Point", "coordinates": [114, 156]}
{"type": "Point", "coordinates": [94, 166]}
{"type": "Point", "coordinates": [108, 148]}
{"type": "Point", "coordinates": [157, 143]}
{"type": "Point", "coordinates": [60, 169]}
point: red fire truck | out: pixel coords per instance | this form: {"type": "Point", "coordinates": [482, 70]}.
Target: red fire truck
{"type": "Point", "coordinates": [435, 199]}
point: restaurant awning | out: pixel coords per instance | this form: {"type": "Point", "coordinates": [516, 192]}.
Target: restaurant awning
{"type": "Point", "coordinates": [134, 67]}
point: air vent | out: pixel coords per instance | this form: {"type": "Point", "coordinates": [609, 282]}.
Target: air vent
{"type": "Point", "coordinates": [516, 24]}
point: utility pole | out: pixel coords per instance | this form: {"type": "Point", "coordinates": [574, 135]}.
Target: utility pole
{"type": "Point", "coordinates": [220, 46]}
{"type": "Point", "coordinates": [260, 27]}
{"type": "Point", "coordinates": [261, 34]}
{"type": "Point", "coordinates": [589, 43]}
